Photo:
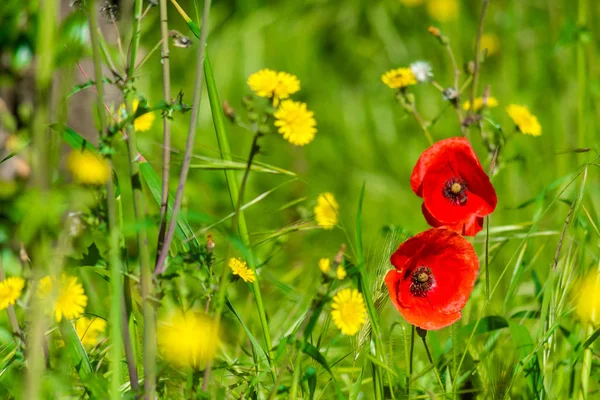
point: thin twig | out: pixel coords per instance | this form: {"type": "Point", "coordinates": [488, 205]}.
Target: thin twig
{"type": "Point", "coordinates": [119, 43]}
{"type": "Point", "coordinates": [160, 263]}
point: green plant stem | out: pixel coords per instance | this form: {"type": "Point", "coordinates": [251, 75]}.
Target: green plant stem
{"type": "Point", "coordinates": [296, 378]}
{"type": "Point", "coordinates": [223, 142]}
{"type": "Point", "coordinates": [12, 316]}
{"type": "Point", "coordinates": [45, 40]}
{"type": "Point", "coordinates": [139, 209]}
{"type": "Point", "coordinates": [435, 371]}
{"type": "Point", "coordinates": [487, 258]}
{"type": "Point", "coordinates": [161, 266]}
{"type": "Point", "coordinates": [166, 78]}
{"type": "Point", "coordinates": [582, 81]}
{"type": "Point", "coordinates": [410, 360]}
{"type": "Point", "coordinates": [454, 361]}
{"type": "Point", "coordinates": [363, 284]}
{"type": "Point", "coordinates": [477, 52]}
{"type": "Point", "coordinates": [586, 367]}
{"type": "Point", "coordinates": [116, 279]}
{"type": "Point", "coordinates": [254, 149]}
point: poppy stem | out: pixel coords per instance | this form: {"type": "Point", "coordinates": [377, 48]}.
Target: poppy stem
{"type": "Point", "coordinates": [410, 363]}
{"type": "Point", "coordinates": [487, 258]}
{"type": "Point", "coordinates": [423, 334]}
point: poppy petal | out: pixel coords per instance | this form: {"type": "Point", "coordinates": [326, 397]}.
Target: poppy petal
{"type": "Point", "coordinates": [468, 227]}
{"type": "Point", "coordinates": [438, 152]}
{"type": "Point", "coordinates": [450, 263]}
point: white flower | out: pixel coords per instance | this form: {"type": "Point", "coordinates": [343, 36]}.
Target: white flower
{"type": "Point", "coordinates": [422, 71]}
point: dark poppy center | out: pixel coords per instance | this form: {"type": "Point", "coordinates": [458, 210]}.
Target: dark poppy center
{"type": "Point", "coordinates": [455, 190]}
{"type": "Point", "coordinates": [421, 281]}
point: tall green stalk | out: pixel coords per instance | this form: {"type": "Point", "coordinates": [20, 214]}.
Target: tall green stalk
{"type": "Point", "coordinates": [166, 77]}
{"type": "Point", "coordinates": [116, 279]}
{"type": "Point", "coordinates": [36, 350]}
{"type": "Point", "coordinates": [139, 208]}
{"type": "Point", "coordinates": [582, 81]}
{"type": "Point", "coordinates": [365, 286]}
{"type": "Point", "coordinates": [232, 185]}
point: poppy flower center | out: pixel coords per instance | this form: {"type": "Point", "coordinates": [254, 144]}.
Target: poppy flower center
{"type": "Point", "coordinates": [421, 281]}
{"type": "Point", "coordinates": [455, 190]}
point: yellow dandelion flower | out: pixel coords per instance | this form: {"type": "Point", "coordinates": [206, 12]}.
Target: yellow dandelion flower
{"type": "Point", "coordinates": [326, 211]}
{"type": "Point", "coordinates": [263, 82]}
{"type": "Point", "coordinates": [287, 84]}
{"type": "Point", "coordinates": [348, 311]}
{"type": "Point", "coordinates": [89, 330]}
{"type": "Point", "coordinates": [478, 103]}
{"type": "Point", "coordinates": [491, 43]}
{"type": "Point", "coordinates": [524, 120]}
{"type": "Point", "coordinates": [70, 301]}
{"type": "Point", "coordinates": [10, 291]}
{"type": "Point", "coordinates": [295, 122]}
{"type": "Point", "coordinates": [324, 265]}
{"type": "Point", "coordinates": [340, 272]}
{"type": "Point", "coordinates": [399, 78]}
{"type": "Point", "coordinates": [412, 3]}
{"type": "Point", "coordinates": [142, 123]}
{"type": "Point", "coordinates": [443, 10]}
{"type": "Point", "coordinates": [588, 299]}
{"type": "Point", "coordinates": [88, 168]}
{"type": "Point", "coordinates": [273, 85]}
{"type": "Point", "coordinates": [187, 339]}
{"type": "Point", "coordinates": [239, 268]}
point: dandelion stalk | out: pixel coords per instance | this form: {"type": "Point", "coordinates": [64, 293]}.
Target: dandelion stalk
{"type": "Point", "coordinates": [166, 74]}
{"type": "Point", "coordinates": [254, 149]}
{"type": "Point", "coordinates": [139, 209]}
{"type": "Point", "coordinates": [116, 278]}
{"type": "Point", "coordinates": [234, 193]}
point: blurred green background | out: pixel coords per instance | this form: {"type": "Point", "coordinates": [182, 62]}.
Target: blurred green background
{"type": "Point", "coordinates": [545, 59]}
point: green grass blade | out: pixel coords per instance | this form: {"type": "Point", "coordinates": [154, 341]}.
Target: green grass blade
{"type": "Point", "coordinates": [75, 349]}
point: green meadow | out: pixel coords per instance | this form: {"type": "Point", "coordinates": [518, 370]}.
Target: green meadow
{"type": "Point", "coordinates": [174, 225]}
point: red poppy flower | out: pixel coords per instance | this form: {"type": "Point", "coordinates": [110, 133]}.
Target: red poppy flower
{"type": "Point", "coordinates": [433, 278]}
{"type": "Point", "coordinates": [456, 192]}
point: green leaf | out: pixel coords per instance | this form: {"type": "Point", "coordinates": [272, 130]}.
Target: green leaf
{"type": "Point", "coordinates": [255, 344]}
{"type": "Point", "coordinates": [89, 83]}
{"type": "Point", "coordinates": [73, 138]}
{"type": "Point", "coordinates": [314, 353]}
{"type": "Point", "coordinates": [310, 376]}
{"type": "Point", "coordinates": [591, 339]}
{"type": "Point", "coordinates": [75, 349]}
{"type": "Point", "coordinates": [219, 164]}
